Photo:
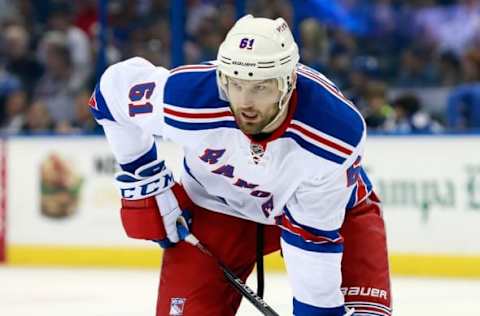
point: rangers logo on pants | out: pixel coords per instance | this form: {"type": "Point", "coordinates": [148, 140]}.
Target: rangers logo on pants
{"type": "Point", "coordinates": [176, 306]}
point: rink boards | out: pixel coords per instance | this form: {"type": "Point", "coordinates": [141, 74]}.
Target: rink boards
{"type": "Point", "coordinates": [61, 205]}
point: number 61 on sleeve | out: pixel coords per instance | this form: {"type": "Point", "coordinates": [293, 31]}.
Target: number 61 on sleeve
{"type": "Point", "coordinates": [139, 96]}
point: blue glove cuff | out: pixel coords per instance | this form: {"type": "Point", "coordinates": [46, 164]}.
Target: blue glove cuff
{"type": "Point", "coordinates": [165, 243]}
{"type": "Point", "coordinates": [182, 231]}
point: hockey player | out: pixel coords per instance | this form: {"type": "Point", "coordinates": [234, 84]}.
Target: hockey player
{"type": "Point", "coordinates": [266, 140]}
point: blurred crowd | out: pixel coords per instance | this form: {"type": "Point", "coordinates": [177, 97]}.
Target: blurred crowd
{"type": "Point", "coordinates": [409, 66]}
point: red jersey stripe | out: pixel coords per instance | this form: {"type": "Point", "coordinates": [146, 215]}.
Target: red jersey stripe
{"type": "Point", "coordinates": [197, 115]}
{"type": "Point", "coordinates": [321, 139]}
{"type": "Point", "coordinates": [361, 189]}
{"type": "Point", "coordinates": [325, 84]}
{"type": "Point", "coordinates": [305, 234]}
{"type": "Point", "coordinates": [192, 67]}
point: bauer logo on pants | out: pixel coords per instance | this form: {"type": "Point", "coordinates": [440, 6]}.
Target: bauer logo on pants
{"type": "Point", "coordinates": [176, 306]}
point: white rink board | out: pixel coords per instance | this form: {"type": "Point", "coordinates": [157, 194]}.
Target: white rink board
{"type": "Point", "coordinates": [96, 221]}
{"type": "Point", "coordinates": [430, 187]}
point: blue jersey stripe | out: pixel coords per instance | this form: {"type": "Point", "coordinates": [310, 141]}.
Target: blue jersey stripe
{"type": "Point", "coordinates": [199, 126]}
{"type": "Point", "coordinates": [330, 234]}
{"type": "Point", "coordinates": [315, 149]}
{"type": "Point", "coordinates": [323, 111]}
{"type": "Point", "coordinates": [189, 171]}
{"type": "Point", "coordinates": [149, 156]}
{"type": "Point", "coordinates": [299, 242]}
{"type": "Point", "coordinates": [365, 179]}
{"type": "Point", "coordinates": [352, 202]}
{"type": "Point", "coordinates": [193, 90]}
{"type": "Point", "coordinates": [353, 198]}
{"type": "Point", "coordinates": [303, 309]}
{"type": "Point", "coordinates": [103, 112]}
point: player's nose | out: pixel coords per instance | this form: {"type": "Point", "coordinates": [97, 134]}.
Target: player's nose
{"type": "Point", "coordinates": [246, 100]}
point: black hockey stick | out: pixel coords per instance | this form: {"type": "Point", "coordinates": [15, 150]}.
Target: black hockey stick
{"type": "Point", "coordinates": [234, 280]}
{"type": "Point", "coordinates": [259, 255]}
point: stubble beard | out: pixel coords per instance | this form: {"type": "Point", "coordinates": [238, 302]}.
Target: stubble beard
{"type": "Point", "coordinates": [251, 128]}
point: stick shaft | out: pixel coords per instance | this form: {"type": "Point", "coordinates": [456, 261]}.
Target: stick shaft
{"type": "Point", "coordinates": [239, 285]}
{"type": "Point", "coordinates": [233, 279]}
{"type": "Point", "coordinates": [248, 293]}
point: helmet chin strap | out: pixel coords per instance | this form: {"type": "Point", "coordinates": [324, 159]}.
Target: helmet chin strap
{"type": "Point", "coordinates": [283, 109]}
{"type": "Point", "coordinates": [278, 119]}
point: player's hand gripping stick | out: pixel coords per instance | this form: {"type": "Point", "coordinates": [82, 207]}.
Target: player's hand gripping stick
{"type": "Point", "coordinates": [237, 283]}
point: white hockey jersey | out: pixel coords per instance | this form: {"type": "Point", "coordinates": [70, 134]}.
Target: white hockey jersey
{"type": "Point", "coordinates": [303, 177]}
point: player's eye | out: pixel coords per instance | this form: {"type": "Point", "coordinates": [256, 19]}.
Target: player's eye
{"type": "Point", "coordinates": [260, 88]}
{"type": "Point", "coordinates": [235, 85]}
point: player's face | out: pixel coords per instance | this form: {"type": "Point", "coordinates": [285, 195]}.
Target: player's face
{"type": "Point", "coordinates": [254, 103]}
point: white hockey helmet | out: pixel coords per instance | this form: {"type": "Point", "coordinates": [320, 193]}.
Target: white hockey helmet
{"type": "Point", "coordinates": [259, 49]}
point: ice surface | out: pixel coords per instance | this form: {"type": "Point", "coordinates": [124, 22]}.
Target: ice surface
{"type": "Point", "coordinates": [88, 292]}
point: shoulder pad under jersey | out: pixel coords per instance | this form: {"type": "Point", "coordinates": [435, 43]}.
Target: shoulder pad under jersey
{"type": "Point", "coordinates": [325, 123]}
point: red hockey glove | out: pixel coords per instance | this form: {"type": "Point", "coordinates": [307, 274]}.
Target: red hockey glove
{"type": "Point", "coordinates": [150, 208]}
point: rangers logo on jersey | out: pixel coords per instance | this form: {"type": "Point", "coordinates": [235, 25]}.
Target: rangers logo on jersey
{"type": "Point", "coordinates": [257, 151]}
